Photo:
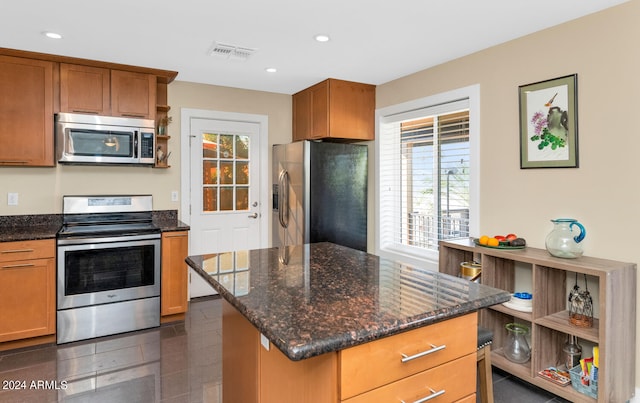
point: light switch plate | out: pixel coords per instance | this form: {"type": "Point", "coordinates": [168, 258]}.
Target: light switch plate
{"type": "Point", "coordinates": [12, 199]}
{"type": "Point", "coordinates": [174, 196]}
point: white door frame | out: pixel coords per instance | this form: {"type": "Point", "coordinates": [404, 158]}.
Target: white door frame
{"type": "Point", "coordinates": [186, 115]}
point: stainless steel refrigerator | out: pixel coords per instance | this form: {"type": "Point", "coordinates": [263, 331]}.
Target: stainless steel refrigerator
{"type": "Point", "coordinates": [320, 193]}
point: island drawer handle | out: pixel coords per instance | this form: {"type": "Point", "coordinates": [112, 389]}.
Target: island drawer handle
{"type": "Point", "coordinates": [15, 266]}
{"type": "Point", "coordinates": [17, 251]}
{"type": "Point", "coordinates": [434, 348]}
{"type": "Point", "coordinates": [433, 395]}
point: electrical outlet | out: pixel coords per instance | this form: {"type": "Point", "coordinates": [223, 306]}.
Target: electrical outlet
{"type": "Point", "coordinates": [12, 199]}
{"type": "Point", "coordinates": [174, 196]}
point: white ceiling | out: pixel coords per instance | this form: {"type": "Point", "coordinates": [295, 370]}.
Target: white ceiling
{"type": "Point", "coordinates": [372, 41]}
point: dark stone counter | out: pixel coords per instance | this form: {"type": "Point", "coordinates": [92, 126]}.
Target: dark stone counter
{"type": "Point", "coordinates": [167, 220]}
{"type": "Point", "coordinates": [328, 297]}
{"type": "Point", "coordinates": [29, 227]}
{"type": "Point", "coordinates": [45, 226]}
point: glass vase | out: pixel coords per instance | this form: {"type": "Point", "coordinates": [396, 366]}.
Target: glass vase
{"type": "Point", "coordinates": [516, 348]}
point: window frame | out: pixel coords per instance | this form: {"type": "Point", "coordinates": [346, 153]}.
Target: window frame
{"type": "Point", "coordinates": [416, 255]}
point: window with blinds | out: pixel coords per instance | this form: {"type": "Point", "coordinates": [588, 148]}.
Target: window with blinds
{"type": "Point", "coordinates": [425, 176]}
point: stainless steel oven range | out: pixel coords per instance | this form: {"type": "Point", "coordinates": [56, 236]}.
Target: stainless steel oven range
{"type": "Point", "coordinates": [108, 269]}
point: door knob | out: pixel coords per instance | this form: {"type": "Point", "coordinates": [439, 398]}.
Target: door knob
{"type": "Point", "coordinates": [254, 215]}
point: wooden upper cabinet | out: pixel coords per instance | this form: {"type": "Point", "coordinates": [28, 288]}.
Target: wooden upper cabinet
{"type": "Point", "coordinates": [85, 89]}
{"type": "Point", "coordinates": [26, 111]}
{"type": "Point", "coordinates": [133, 94]}
{"type": "Point", "coordinates": [103, 91]}
{"type": "Point", "coordinates": [334, 109]}
{"type": "Point", "coordinates": [301, 115]}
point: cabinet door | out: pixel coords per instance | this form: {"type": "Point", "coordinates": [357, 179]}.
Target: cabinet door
{"type": "Point", "coordinates": [301, 115]}
{"type": "Point", "coordinates": [26, 112]}
{"type": "Point", "coordinates": [28, 299]}
{"type": "Point", "coordinates": [85, 89]}
{"type": "Point", "coordinates": [173, 295]}
{"type": "Point", "coordinates": [320, 110]}
{"type": "Point", "coordinates": [352, 107]}
{"type": "Point", "coordinates": [133, 94]}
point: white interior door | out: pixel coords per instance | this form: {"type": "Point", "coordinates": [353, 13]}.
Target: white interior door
{"type": "Point", "coordinates": [225, 198]}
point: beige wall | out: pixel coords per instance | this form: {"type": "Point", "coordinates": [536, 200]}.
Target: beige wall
{"type": "Point", "coordinates": [40, 190]}
{"type": "Point", "coordinates": [603, 193]}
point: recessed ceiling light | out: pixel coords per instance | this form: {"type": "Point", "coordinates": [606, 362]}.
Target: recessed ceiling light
{"type": "Point", "coordinates": [322, 38]}
{"type": "Point", "coordinates": [271, 69]}
{"type": "Point", "coordinates": [52, 35]}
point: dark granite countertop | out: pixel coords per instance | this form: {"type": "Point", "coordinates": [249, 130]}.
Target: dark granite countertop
{"type": "Point", "coordinates": [329, 297]}
{"type": "Point", "coordinates": [29, 227]}
{"type": "Point", "coordinates": [45, 226]}
{"type": "Point", "coordinates": [167, 220]}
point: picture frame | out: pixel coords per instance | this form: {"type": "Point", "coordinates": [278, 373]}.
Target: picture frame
{"type": "Point", "coordinates": [549, 123]}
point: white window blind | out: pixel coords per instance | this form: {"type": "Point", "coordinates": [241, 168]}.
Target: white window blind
{"type": "Point", "coordinates": [424, 176]}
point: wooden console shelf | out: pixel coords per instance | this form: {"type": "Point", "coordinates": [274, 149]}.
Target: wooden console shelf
{"type": "Point", "coordinates": [614, 324]}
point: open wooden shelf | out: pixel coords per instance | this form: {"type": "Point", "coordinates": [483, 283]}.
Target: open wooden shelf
{"type": "Point", "coordinates": [614, 320]}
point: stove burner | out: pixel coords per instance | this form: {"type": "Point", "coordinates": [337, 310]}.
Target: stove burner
{"type": "Point", "coordinates": [103, 216]}
{"type": "Point", "coordinates": [106, 230]}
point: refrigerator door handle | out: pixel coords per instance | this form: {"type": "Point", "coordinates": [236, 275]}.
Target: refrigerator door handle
{"type": "Point", "coordinates": [283, 200]}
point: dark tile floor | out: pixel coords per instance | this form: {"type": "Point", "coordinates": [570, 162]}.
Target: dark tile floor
{"type": "Point", "coordinates": [173, 363]}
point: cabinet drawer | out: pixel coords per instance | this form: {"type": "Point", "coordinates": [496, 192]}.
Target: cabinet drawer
{"type": "Point", "coordinates": [453, 381]}
{"type": "Point", "coordinates": [23, 250]}
{"type": "Point", "coordinates": [370, 365]}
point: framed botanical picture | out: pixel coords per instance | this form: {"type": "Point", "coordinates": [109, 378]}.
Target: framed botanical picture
{"type": "Point", "coordinates": [549, 123]}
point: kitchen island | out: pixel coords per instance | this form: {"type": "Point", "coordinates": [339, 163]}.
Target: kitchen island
{"type": "Point", "coordinates": [322, 322]}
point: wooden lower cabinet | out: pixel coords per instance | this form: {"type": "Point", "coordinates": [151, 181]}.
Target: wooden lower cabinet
{"type": "Point", "coordinates": [174, 289]}
{"type": "Point", "coordinates": [449, 382]}
{"type": "Point", "coordinates": [371, 372]}
{"type": "Point", "coordinates": [27, 289]}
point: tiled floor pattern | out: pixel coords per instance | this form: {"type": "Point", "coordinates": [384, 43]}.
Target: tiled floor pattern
{"type": "Point", "coordinates": [173, 363]}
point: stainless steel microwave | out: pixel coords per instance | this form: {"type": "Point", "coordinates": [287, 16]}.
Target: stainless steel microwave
{"type": "Point", "coordinates": [104, 140]}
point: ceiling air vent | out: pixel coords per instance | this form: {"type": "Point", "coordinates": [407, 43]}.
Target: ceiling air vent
{"type": "Point", "coordinates": [232, 52]}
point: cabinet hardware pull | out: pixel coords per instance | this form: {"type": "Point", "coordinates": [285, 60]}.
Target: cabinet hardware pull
{"type": "Point", "coordinates": [17, 251]}
{"type": "Point", "coordinates": [433, 395]}
{"type": "Point", "coordinates": [406, 358]}
{"type": "Point", "coordinates": [15, 266]}
{"type": "Point", "coordinates": [85, 111]}
{"type": "Point", "coordinates": [13, 162]}
{"type": "Point", "coordinates": [176, 236]}
{"type": "Point", "coordinates": [131, 115]}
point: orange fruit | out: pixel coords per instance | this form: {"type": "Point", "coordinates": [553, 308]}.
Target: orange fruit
{"type": "Point", "coordinates": [483, 240]}
{"type": "Point", "coordinates": [493, 242]}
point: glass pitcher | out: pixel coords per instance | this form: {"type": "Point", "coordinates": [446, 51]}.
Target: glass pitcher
{"type": "Point", "coordinates": [516, 348]}
{"type": "Point", "coordinates": [563, 241]}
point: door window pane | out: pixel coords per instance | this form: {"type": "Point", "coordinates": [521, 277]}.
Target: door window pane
{"type": "Point", "coordinates": [209, 172]}
{"type": "Point", "coordinates": [242, 147]}
{"type": "Point", "coordinates": [226, 198]}
{"type": "Point", "coordinates": [242, 198]}
{"type": "Point", "coordinates": [226, 172]}
{"type": "Point", "coordinates": [226, 146]}
{"type": "Point", "coordinates": [210, 199]}
{"type": "Point", "coordinates": [242, 173]}
{"type": "Point", "coordinates": [209, 145]}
